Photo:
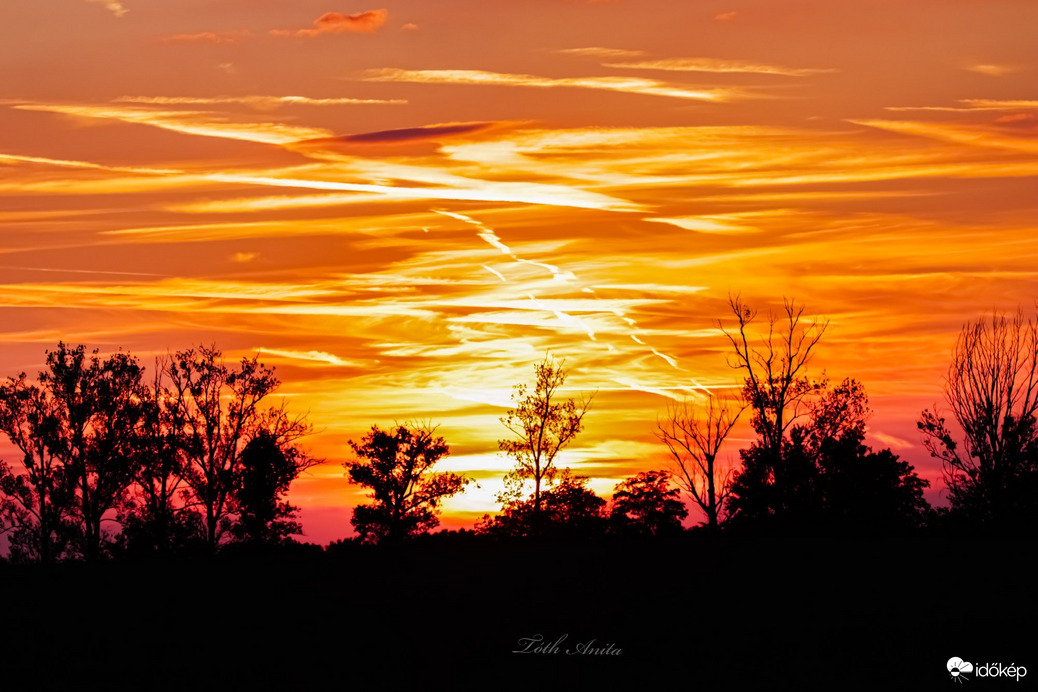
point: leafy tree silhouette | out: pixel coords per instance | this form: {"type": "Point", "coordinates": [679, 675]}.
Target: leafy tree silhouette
{"type": "Point", "coordinates": [216, 409]}
{"type": "Point", "coordinates": [77, 430]}
{"type": "Point", "coordinates": [992, 390]}
{"type": "Point", "coordinates": [542, 426]}
{"type": "Point", "coordinates": [268, 468]}
{"type": "Point", "coordinates": [646, 504]}
{"type": "Point", "coordinates": [90, 430]}
{"type": "Point", "coordinates": [831, 477]}
{"type": "Point", "coordinates": [396, 465]}
{"type": "Point", "coordinates": [568, 509]}
{"type": "Point", "coordinates": [160, 517]}
{"type": "Point", "coordinates": [864, 489]}
{"type": "Point", "coordinates": [35, 504]}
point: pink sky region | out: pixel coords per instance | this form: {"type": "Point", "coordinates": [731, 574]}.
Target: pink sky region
{"type": "Point", "coordinates": [404, 207]}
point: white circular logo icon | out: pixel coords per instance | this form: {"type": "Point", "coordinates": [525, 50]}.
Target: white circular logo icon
{"type": "Point", "coordinates": [958, 667]}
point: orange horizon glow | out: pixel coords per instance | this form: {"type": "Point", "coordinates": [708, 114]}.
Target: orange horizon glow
{"type": "Point", "coordinates": [402, 208]}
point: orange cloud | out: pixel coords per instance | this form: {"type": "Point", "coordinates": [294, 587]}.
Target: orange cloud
{"type": "Point", "coordinates": [993, 70]}
{"type": "Point", "coordinates": [600, 52]}
{"type": "Point", "coordinates": [336, 23]}
{"type": "Point", "coordinates": [113, 6]}
{"type": "Point", "coordinates": [209, 37]}
{"type": "Point", "coordinates": [629, 85]}
{"type": "Point", "coordinates": [714, 65]}
{"type": "Point", "coordinates": [725, 16]}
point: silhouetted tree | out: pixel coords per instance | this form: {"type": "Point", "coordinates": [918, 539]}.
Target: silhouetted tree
{"type": "Point", "coordinates": [775, 387]}
{"type": "Point", "coordinates": [646, 504]}
{"type": "Point", "coordinates": [268, 467]}
{"type": "Point", "coordinates": [868, 490]}
{"type": "Point", "coordinates": [568, 509]}
{"type": "Point", "coordinates": [217, 410]}
{"type": "Point", "coordinates": [160, 518]}
{"type": "Point", "coordinates": [758, 494]}
{"type": "Point", "coordinates": [396, 465]}
{"type": "Point", "coordinates": [542, 425]}
{"type": "Point", "coordinates": [36, 504]}
{"type": "Point", "coordinates": [31, 514]}
{"type": "Point", "coordinates": [992, 389]}
{"type": "Point", "coordinates": [694, 441]}
{"type": "Point", "coordinates": [831, 478]}
{"type": "Point", "coordinates": [77, 430]}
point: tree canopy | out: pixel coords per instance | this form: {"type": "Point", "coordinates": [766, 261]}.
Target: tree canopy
{"type": "Point", "coordinates": [542, 425]}
{"type": "Point", "coordinates": [569, 508]}
{"type": "Point", "coordinates": [646, 504]}
{"type": "Point", "coordinates": [396, 466]}
{"type": "Point", "coordinates": [830, 477]}
{"type": "Point", "coordinates": [101, 447]}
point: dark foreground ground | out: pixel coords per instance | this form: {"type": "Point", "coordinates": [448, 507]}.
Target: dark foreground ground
{"type": "Point", "coordinates": [690, 614]}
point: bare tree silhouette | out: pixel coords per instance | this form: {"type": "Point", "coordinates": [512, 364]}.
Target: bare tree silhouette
{"type": "Point", "coordinates": [992, 390]}
{"type": "Point", "coordinates": [776, 388]}
{"type": "Point", "coordinates": [694, 440]}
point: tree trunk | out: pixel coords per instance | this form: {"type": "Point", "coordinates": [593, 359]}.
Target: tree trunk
{"type": "Point", "coordinates": [711, 514]}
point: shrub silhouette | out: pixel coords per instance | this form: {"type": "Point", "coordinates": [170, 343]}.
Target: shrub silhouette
{"type": "Point", "coordinates": [569, 509]}
{"type": "Point", "coordinates": [646, 505]}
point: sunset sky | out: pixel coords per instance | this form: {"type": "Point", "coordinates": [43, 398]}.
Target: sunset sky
{"type": "Point", "coordinates": [403, 207]}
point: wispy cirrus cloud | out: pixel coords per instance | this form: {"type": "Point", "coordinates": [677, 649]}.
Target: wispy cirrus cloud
{"type": "Point", "coordinates": [223, 37]}
{"type": "Point", "coordinates": [337, 23]}
{"type": "Point", "coordinates": [716, 223]}
{"type": "Point", "coordinates": [599, 52]}
{"type": "Point", "coordinates": [66, 163]}
{"type": "Point", "coordinates": [969, 105]}
{"type": "Point", "coordinates": [189, 122]}
{"type": "Point", "coordinates": [629, 85]}
{"type": "Point", "coordinates": [992, 104]}
{"type": "Point", "coordinates": [257, 102]}
{"type": "Point", "coordinates": [475, 191]}
{"type": "Point", "coordinates": [718, 66]}
{"type": "Point", "coordinates": [959, 134]}
{"type": "Point", "coordinates": [314, 357]}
